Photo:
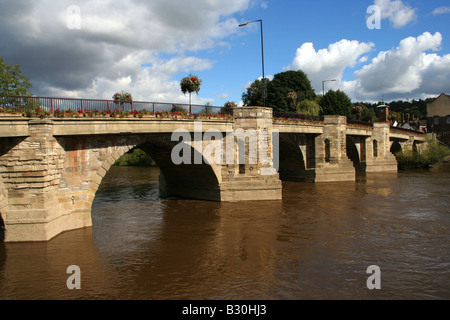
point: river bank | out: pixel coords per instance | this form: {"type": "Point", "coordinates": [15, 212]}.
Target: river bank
{"type": "Point", "coordinates": [433, 154]}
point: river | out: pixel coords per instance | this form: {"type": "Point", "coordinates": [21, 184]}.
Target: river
{"type": "Point", "coordinates": [317, 243]}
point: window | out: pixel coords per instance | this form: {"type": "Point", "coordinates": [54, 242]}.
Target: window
{"type": "Point", "coordinates": [327, 151]}
{"type": "Point", "coordinates": [375, 148]}
{"type": "Point", "coordinates": [436, 119]}
{"type": "Point", "coordinates": [447, 120]}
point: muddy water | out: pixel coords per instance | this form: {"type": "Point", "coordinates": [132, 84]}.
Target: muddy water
{"type": "Point", "coordinates": [316, 243]}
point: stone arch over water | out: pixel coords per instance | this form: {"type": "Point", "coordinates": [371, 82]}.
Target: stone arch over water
{"type": "Point", "coordinates": [88, 159]}
{"type": "Point", "coordinates": [353, 153]}
{"type": "Point", "coordinates": [3, 208]}
{"type": "Point", "coordinates": [396, 147]}
{"type": "Point", "coordinates": [292, 159]}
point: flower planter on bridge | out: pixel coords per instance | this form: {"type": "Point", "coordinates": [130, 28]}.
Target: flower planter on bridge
{"type": "Point", "coordinates": [16, 114]}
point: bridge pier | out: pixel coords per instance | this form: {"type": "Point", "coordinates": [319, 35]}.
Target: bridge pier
{"type": "Point", "coordinates": [378, 156]}
{"type": "Point", "coordinates": [31, 174]}
{"type": "Point", "coordinates": [252, 177]}
{"type": "Point", "coordinates": [332, 163]}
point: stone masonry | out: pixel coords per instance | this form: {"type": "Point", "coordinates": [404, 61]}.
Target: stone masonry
{"type": "Point", "coordinates": [50, 170]}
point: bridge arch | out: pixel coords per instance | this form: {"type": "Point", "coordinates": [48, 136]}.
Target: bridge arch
{"type": "Point", "coordinates": [88, 159]}
{"type": "Point", "coordinates": [183, 180]}
{"type": "Point", "coordinates": [396, 147]}
{"type": "Point", "coordinates": [353, 153]}
{"type": "Point", "coordinates": [292, 166]}
{"type": "Point", "coordinates": [3, 207]}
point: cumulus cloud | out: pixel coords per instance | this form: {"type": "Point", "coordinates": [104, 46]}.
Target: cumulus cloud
{"type": "Point", "coordinates": [331, 62]}
{"type": "Point", "coordinates": [398, 13]}
{"type": "Point", "coordinates": [406, 71]}
{"type": "Point", "coordinates": [114, 41]}
{"type": "Point", "coordinates": [411, 70]}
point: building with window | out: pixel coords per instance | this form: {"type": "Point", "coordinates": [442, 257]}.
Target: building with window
{"type": "Point", "coordinates": [438, 118]}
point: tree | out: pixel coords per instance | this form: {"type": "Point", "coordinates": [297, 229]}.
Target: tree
{"type": "Point", "coordinates": [12, 81]}
{"type": "Point", "coordinates": [309, 107]}
{"type": "Point", "coordinates": [254, 94]}
{"type": "Point", "coordinates": [336, 103]}
{"type": "Point", "coordinates": [362, 113]}
{"type": "Point", "coordinates": [278, 91]}
{"type": "Point", "coordinates": [285, 82]}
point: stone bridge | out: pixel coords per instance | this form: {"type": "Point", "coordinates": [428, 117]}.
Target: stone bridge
{"type": "Point", "coordinates": [50, 169]}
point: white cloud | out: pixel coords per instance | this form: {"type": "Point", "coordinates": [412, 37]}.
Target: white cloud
{"type": "Point", "coordinates": [329, 63]}
{"type": "Point", "coordinates": [440, 10]}
{"type": "Point", "coordinates": [398, 13]}
{"type": "Point", "coordinates": [406, 71]}
{"type": "Point", "coordinates": [115, 39]}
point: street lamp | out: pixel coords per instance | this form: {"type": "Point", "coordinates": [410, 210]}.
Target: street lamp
{"type": "Point", "coordinates": [323, 85]}
{"type": "Point", "coordinates": [262, 53]}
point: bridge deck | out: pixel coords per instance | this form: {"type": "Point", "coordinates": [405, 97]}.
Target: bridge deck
{"type": "Point", "coordinates": [18, 127]}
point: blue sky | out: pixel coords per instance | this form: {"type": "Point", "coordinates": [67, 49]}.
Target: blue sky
{"type": "Point", "coordinates": [147, 47]}
{"type": "Point", "coordinates": [289, 24]}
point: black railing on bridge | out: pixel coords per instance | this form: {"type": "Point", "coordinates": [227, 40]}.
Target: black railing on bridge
{"type": "Point", "coordinates": [26, 104]}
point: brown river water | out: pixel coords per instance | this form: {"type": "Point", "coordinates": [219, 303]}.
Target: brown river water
{"type": "Point", "coordinates": [316, 243]}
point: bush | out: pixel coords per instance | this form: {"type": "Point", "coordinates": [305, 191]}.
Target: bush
{"type": "Point", "coordinates": [137, 158]}
{"type": "Point", "coordinates": [434, 153]}
{"type": "Point", "coordinates": [309, 107]}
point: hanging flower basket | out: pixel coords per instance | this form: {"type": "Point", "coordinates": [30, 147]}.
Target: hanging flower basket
{"type": "Point", "coordinates": [191, 84]}
{"type": "Point", "coordinates": [122, 97]}
{"type": "Point", "coordinates": [292, 97]}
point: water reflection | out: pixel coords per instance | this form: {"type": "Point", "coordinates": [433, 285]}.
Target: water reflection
{"type": "Point", "coordinates": [314, 244]}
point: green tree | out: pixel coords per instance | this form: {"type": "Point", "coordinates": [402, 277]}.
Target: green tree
{"type": "Point", "coordinates": [254, 94]}
{"type": "Point", "coordinates": [278, 89]}
{"type": "Point", "coordinates": [285, 82]}
{"type": "Point", "coordinates": [309, 107]}
{"type": "Point", "coordinates": [336, 103]}
{"type": "Point", "coordinates": [12, 81]}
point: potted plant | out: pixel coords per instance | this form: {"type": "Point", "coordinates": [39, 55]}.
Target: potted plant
{"type": "Point", "coordinates": [121, 98]}
{"type": "Point", "coordinates": [292, 98]}
{"type": "Point", "coordinates": [145, 114]}
{"type": "Point", "coordinates": [190, 84]}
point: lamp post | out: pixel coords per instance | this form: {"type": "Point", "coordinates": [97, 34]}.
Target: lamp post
{"type": "Point", "coordinates": [323, 86]}
{"type": "Point", "coordinates": [262, 54]}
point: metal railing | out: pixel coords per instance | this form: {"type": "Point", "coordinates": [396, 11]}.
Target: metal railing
{"type": "Point", "coordinates": [25, 104]}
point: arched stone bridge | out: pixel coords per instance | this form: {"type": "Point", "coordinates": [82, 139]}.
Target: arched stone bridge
{"type": "Point", "coordinates": [51, 169]}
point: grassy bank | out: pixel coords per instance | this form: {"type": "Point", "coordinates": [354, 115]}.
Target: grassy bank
{"type": "Point", "coordinates": [136, 158]}
{"type": "Point", "coordinates": [433, 153]}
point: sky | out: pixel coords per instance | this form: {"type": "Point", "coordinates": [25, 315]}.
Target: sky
{"type": "Point", "coordinates": [376, 50]}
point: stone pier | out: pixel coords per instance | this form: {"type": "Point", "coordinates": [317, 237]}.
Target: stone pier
{"type": "Point", "coordinates": [332, 163]}
{"type": "Point", "coordinates": [378, 156]}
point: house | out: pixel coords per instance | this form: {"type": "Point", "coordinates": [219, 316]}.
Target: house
{"type": "Point", "coordinates": [438, 118]}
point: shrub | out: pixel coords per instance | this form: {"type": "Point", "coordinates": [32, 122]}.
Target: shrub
{"type": "Point", "coordinates": [137, 158]}
{"type": "Point", "coordinates": [433, 153]}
